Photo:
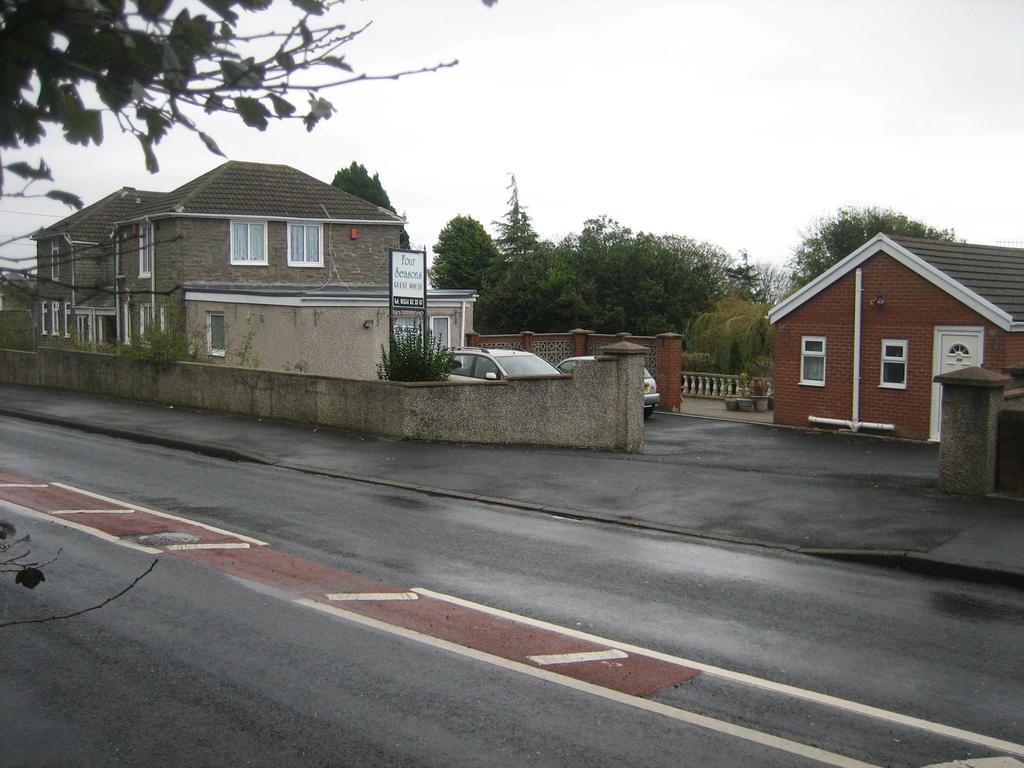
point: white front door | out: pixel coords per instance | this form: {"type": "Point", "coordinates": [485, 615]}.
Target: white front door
{"type": "Point", "coordinates": [954, 348]}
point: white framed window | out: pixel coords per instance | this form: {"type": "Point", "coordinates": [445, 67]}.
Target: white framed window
{"type": "Point", "coordinates": [55, 259]}
{"type": "Point", "coordinates": [145, 319]}
{"type": "Point", "coordinates": [44, 318]}
{"type": "Point", "coordinates": [126, 324]}
{"type": "Point", "coordinates": [440, 329]}
{"type": "Point", "coordinates": [812, 360]}
{"type": "Point", "coordinates": [163, 318]}
{"type": "Point", "coordinates": [894, 364]}
{"type": "Point", "coordinates": [146, 251]}
{"type": "Point", "coordinates": [55, 318]}
{"type": "Point", "coordinates": [305, 245]}
{"type": "Point", "coordinates": [248, 242]}
{"type": "Point", "coordinates": [215, 334]}
{"type": "Point", "coordinates": [67, 319]}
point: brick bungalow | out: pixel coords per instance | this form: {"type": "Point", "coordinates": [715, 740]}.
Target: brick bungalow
{"type": "Point", "coordinates": [858, 346]}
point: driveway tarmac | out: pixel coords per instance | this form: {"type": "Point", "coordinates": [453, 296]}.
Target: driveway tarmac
{"type": "Point", "coordinates": [842, 495]}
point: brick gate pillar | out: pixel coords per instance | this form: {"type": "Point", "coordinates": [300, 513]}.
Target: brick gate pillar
{"type": "Point", "coordinates": [971, 401]}
{"type": "Point", "coordinates": [579, 342]}
{"type": "Point", "coordinates": [670, 370]}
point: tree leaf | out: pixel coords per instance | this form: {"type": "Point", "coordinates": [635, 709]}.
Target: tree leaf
{"type": "Point", "coordinates": [252, 111]}
{"type": "Point", "coordinates": [241, 74]}
{"type": "Point", "coordinates": [29, 577]}
{"type": "Point", "coordinates": [147, 149]}
{"type": "Point", "coordinates": [210, 144]}
{"type": "Point", "coordinates": [26, 171]}
{"type": "Point", "coordinates": [69, 199]}
{"type": "Point", "coordinates": [282, 107]}
{"type": "Point", "coordinates": [314, 7]}
{"type": "Point", "coordinates": [337, 62]}
{"type": "Point", "coordinates": [286, 61]}
{"type": "Point", "coordinates": [214, 104]}
{"type": "Point", "coordinates": [153, 10]}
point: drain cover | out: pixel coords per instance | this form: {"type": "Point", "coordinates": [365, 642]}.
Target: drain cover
{"type": "Point", "coordinates": [164, 538]}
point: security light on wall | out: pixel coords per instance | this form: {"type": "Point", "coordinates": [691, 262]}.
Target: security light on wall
{"type": "Point", "coordinates": [369, 323]}
{"type": "Point", "coordinates": [878, 302]}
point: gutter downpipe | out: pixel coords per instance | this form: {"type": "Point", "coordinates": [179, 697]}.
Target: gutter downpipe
{"type": "Point", "coordinates": [858, 295]}
{"type": "Point", "coordinates": [854, 423]}
{"type": "Point", "coordinates": [462, 324]}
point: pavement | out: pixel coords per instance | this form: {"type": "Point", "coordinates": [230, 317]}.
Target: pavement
{"type": "Point", "coordinates": [826, 494]}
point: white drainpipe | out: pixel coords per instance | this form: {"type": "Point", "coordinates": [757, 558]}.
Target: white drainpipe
{"type": "Point", "coordinates": [855, 423]}
{"type": "Point", "coordinates": [462, 323]}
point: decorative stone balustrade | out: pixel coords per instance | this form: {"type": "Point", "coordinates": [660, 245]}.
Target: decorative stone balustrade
{"type": "Point", "coordinates": [716, 385]}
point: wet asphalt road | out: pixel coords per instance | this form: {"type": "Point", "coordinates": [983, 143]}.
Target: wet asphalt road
{"type": "Point", "coordinates": [194, 667]}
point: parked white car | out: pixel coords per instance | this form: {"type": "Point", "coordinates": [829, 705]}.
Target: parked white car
{"type": "Point", "coordinates": [476, 363]}
{"type": "Point", "coordinates": [651, 396]}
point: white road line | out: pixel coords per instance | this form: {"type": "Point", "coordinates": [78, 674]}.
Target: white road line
{"type": "Point", "coordinates": [917, 723]}
{"type": "Point", "coordinates": [92, 511]}
{"type": "Point", "coordinates": [24, 485]}
{"type": "Point", "coordinates": [78, 526]}
{"type": "Point", "coordinates": [681, 715]}
{"type": "Point", "coordinates": [221, 545]}
{"type": "Point", "coordinates": [356, 596]}
{"type": "Point", "coordinates": [148, 511]}
{"type": "Point", "coordinates": [572, 658]}
{"type": "Point", "coordinates": [980, 762]}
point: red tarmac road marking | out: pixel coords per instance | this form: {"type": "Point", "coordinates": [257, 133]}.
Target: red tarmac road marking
{"type": "Point", "coordinates": [633, 674]}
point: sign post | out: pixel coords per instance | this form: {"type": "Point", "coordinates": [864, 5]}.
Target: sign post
{"type": "Point", "coordinates": [407, 286]}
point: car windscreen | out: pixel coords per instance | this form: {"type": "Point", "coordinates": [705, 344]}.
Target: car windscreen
{"type": "Point", "coordinates": [528, 365]}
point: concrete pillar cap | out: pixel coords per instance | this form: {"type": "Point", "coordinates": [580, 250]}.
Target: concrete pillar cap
{"type": "Point", "coordinates": [624, 348]}
{"type": "Point", "coordinates": [669, 336]}
{"type": "Point", "coordinates": [973, 377]}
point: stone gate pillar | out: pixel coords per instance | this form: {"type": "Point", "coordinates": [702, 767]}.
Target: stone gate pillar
{"type": "Point", "coordinates": [971, 401]}
{"type": "Point", "coordinates": [630, 392]}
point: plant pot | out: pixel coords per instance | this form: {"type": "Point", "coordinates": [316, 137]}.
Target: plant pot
{"type": "Point", "coordinates": [730, 402]}
{"type": "Point", "coordinates": [760, 402]}
{"type": "Point", "coordinates": [744, 404]}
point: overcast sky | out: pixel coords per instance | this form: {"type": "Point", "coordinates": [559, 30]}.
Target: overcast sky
{"type": "Point", "coordinates": [728, 121]}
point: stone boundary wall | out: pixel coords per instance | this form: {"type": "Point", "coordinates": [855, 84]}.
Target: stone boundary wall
{"type": "Point", "coordinates": [595, 409]}
{"type": "Point", "coordinates": [663, 354]}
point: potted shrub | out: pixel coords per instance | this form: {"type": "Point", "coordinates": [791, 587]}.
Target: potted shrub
{"type": "Point", "coordinates": [743, 399]}
{"type": "Point", "coordinates": [759, 394]}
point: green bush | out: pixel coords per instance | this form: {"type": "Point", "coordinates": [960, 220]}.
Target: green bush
{"type": "Point", "coordinates": [16, 331]}
{"type": "Point", "coordinates": [414, 357]}
{"type": "Point", "coordinates": [699, 362]}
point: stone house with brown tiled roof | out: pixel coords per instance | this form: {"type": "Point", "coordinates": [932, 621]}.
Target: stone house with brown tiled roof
{"type": "Point", "coordinates": [262, 264]}
{"type": "Point", "coordinates": [75, 268]}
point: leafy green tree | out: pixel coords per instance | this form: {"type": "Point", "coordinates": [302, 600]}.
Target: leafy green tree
{"type": "Point", "coordinates": [159, 65]}
{"type": "Point", "coordinates": [516, 236]}
{"type": "Point", "coordinates": [464, 255]}
{"type": "Point", "coordinates": [606, 278]}
{"type": "Point", "coordinates": [735, 334]}
{"type": "Point", "coordinates": [356, 180]}
{"type": "Point", "coordinates": [830, 239]}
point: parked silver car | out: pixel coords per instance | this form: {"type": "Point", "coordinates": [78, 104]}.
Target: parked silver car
{"type": "Point", "coordinates": [474, 363]}
{"type": "Point", "coordinates": [651, 395]}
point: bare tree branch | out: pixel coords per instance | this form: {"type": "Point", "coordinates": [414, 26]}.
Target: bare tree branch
{"type": "Point", "coordinates": [60, 617]}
